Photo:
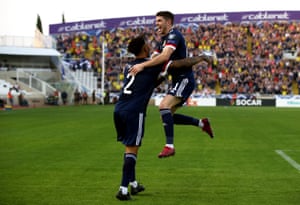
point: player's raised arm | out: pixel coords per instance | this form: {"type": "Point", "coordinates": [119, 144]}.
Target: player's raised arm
{"type": "Point", "coordinates": [209, 57]}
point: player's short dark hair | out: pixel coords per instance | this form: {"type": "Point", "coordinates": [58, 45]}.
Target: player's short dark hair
{"type": "Point", "coordinates": [166, 15]}
{"type": "Point", "coordinates": [135, 46]}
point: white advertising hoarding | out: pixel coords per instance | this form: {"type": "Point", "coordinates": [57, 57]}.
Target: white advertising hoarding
{"type": "Point", "coordinates": [288, 101]}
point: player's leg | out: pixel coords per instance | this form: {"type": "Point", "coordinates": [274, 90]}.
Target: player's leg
{"type": "Point", "coordinates": [130, 159]}
{"type": "Point", "coordinates": [185, 91]}
{"type": "Point", "coordinates": [128, 171]}
{"type": "Point", "coordinates": [203, 123]}
{"type": "Point", "coordinates": [174, 98]}
{"type": "Point", "coordinates": [133, 124]}
{"type": "Point", "coordinates": [166, 113]}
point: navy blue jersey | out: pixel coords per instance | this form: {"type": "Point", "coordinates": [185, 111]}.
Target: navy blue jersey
{"type": "Point", "coordinates": [175, 40]}
{"type": "Point", "coordinates": [138, 89]}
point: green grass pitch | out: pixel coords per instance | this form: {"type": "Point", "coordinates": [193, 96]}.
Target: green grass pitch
{"type": "Point", "coordinates": [69, 156]}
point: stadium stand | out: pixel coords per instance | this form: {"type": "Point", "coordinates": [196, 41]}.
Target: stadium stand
{"type": "Point", "coordinates": [261, 57]}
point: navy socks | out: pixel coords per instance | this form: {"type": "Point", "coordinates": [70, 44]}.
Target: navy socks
{"type": "Point", "coordinates": [128, 169]}
{"type": "Point", "coordinates": [185, 120]}
{"type": "Point", "coordinates": [168, 123]}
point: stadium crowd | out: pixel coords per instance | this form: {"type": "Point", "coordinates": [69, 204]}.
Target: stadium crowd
{"type": "Point", "coordinates": [251, 57]}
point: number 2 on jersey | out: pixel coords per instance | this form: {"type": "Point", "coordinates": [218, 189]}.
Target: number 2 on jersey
{"type": "Point", "coordinates": [127, 87]}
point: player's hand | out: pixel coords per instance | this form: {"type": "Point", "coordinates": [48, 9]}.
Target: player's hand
{"type": "Point", "coordinates": [209, 56]}
{"type": "Point", "coordinates": [136, 69]}
{"type": "Point", "coordinates": [165, 69]}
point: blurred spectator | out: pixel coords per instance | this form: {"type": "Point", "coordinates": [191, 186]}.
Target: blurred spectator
{"type": "Point", "coordinates": [94, 97]}
{"type": "Point", "coordinates": [77, 97]}
{"type": "Point", "coordinates": [64, 97]}
{"type": "Point", "coordinates": [56, 96]}
{"type": "Point", "coordinates": [84, 98]}
{"type": "Point", "coordinates": [22, 100]}
{"type": "Point", "coordinates": [10, 97]}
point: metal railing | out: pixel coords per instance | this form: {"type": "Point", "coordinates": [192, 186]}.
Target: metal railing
{"type": "Point", "coordinates": [30, 79]}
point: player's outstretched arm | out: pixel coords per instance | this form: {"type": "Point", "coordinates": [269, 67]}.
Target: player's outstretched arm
{"type": "Point", "coordinates": [207, 56]}
{"type": "Point", "coordinates": [188, 62]}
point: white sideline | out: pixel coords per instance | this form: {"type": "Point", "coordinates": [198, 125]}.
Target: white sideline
{"type": "Point", "coordinates": [288, 159]}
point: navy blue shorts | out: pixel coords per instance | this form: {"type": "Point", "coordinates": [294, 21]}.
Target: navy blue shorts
{"type": "Point", "coordinates": [182, 87]}
{"type": "Point", "coordinates": [129, 127]}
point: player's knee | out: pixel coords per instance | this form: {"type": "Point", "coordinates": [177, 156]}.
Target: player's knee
{"type": "Point", "coordinates": [164, 105]}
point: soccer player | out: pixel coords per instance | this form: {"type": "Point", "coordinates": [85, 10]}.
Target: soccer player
{"type": "Point", "coordinates": [130, 110]}
{"type": "Point", "coordinates": [172, 46]}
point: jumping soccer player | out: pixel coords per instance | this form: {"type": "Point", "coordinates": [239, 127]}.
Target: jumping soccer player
{"type": "Point", "coordinates": [172, 47]}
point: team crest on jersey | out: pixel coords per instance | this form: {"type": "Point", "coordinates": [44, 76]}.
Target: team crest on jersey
{"type": "Point", "coordinates": [171, 36]}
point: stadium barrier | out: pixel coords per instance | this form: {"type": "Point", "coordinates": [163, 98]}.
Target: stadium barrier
{"type": "Point", "coordinates": [246, 102]}
{"type": "Point", "coordinates": [240, 100]}
{"type": "Point", "coordinates": [288, 101]}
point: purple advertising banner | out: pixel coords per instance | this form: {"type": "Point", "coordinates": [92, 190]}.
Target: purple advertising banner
{"type": "Point", "coordinates": [96, 26]}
